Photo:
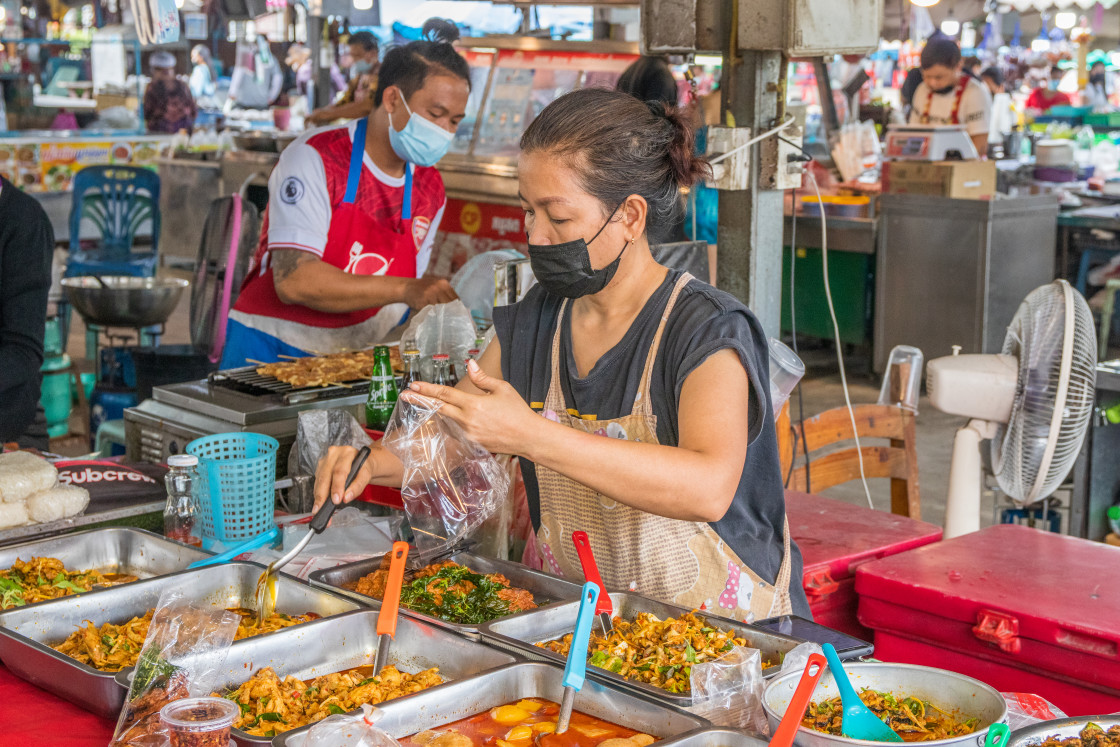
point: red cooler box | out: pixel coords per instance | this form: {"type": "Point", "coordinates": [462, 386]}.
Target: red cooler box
{"type": "Point", "coordinates": [1018, 608]}
{"type": "Point", "coordinates": [835, 537]}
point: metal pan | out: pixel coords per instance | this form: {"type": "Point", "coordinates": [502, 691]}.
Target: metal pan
{"type": "Point", "coordinates": [26, 633]}
{"type": "Point", "coordinates": [347, 641]}
{"type": "Point", "coordinates": [545, 589]}
{"type": "Point", "coordinates": [1063, 728]}
{"type": "Point", "coordinates": [947, 690]}
{"type": "Point", "coordinates": [519, 633]}
{"type": "Point", "coordinates": [434, 708]}
{"type": "Point", "coordinates": [114, 550]}
{"type": "Point", "coordinates": [717, 737]}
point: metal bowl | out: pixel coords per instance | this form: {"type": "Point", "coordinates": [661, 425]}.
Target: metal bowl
{"type": "Point", "coordinates": [952, 692]}
{"type": "Point", "coordinates": [284, 139]}
{"type": "Point", "coordinates": [259, 142]}
{"type": "Point", "coordinates": [1063, 728]}
{"type": "Point", "coordinates": [124, 301]}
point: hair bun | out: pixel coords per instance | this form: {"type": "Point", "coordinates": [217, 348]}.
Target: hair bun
{"type": "Point", "coordinates": [440, 30]}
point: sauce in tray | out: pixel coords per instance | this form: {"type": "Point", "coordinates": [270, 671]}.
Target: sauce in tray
{"type": "Point", "coordinates": [528, 723]}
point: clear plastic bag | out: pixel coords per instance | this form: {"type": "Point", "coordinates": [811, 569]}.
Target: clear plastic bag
{"type": "Point", "coordinates": [317, 431]}
{"type": "Point", "coordinates": [1024, 709]}
{"type": "Point", "coordinates": [442, 328]}
{"type": "Point", "coordinates": [350, 730]}
{"type": "Point", "coordinates": [728, 691]}
{"type": "Point", "coordinates": [451, 484]}
{"type": "Point", "coordinates": [182, 657]}
{"type": "Point", "coordinates": [797, 657]}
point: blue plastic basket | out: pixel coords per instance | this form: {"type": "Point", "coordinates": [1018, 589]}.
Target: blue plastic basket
{"type": "Point", "coordinates": [237, 479]}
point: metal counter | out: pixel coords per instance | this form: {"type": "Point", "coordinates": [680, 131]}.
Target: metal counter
{"type": "Point", "coordinates": [953, 272]}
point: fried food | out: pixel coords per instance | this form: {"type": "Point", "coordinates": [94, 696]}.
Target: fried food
{"type": "Point", "coordinates": [1093, 735]}
{"type": "Point", "coordinates": [914, 720]}
{"type": "Point", "coordinates": [270, 705]}
{"type": "Point", "coordinates": [323, 370]}
{"type": "Point", "coordinates": [40, 579]}
{"type": "Point", "coordinates": [113, 647]}
{"type": "Point", "coordinates": [451, 592]}
{"type": "Point", "coordinates": [528, 723]}
{"type": "Point", "coordinates": [656, 652]}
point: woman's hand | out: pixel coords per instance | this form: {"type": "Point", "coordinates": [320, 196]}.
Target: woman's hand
{"type": "Point", "coordinates": [334, 468]}
{"type": "Point", "coordinates": [498, 419]}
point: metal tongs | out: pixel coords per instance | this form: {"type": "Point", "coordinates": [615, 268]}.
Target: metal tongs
{"type": "Point", "coordinates": [264, 595]}
{"type": "Point", "coordinates": [576, 669]}
{"type": "Point", "coordinates": [604, 608]}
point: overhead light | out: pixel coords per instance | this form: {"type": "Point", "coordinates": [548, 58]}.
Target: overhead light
{"type": "Point", "coordinates": [1065, 19]}
{"type": "Point", "coordinates": [179, 4]}
{"type": "Point", "coordinates": [925, 3]}
{"type": "Point", "coordinates": [950, 26]}
{"type": "Point", "coordinates": [363, 4]}
{"type": "Point", "coordinates": [1040, 45]}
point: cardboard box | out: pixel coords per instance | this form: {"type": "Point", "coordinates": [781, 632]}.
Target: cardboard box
{"type": "Point", "coordinates": [963, 180]}
{"type": "Point", "coordinates": [109, 100]}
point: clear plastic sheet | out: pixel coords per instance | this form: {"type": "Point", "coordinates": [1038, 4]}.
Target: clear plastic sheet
{"type": "Point", "coordinates": [728, 691]}
{"type": "Point", "coordinates": [442, 328]}
{"type": "Point", "coordinates": [358, 729]}
{"type": "Point", "coordinates": [451, 484]}
{"type": "Point", "coordinates": [317, 431]}
{"type": "Point", "coordinates": [182, 657]}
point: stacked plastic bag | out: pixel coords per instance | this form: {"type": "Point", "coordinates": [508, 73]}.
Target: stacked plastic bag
{"type": "Point", "coordinates": [31, 494]}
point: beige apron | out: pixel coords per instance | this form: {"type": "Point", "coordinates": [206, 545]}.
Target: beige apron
{"type": "Point", "coordinates": [682, 562]}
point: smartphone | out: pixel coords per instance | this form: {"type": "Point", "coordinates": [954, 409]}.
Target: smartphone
{"type": "Point", "coordinates": [848, 647]}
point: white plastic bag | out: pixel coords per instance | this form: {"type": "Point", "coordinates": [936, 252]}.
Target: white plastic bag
{"type": "Point", "coordinates": [349, 730]}
{"type": "Point", "coordinates": [728, 691]}
{"type": "Point", "coordinates": [451, 484]}
{"type": "Point", "coordinates": [442, 328]}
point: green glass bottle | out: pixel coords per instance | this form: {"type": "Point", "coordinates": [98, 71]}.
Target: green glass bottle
{"type": "Point", "coordinates": [382, 391]}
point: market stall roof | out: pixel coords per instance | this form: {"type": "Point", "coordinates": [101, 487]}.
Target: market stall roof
{"type": "Point", "coordinates": [1045, 5]}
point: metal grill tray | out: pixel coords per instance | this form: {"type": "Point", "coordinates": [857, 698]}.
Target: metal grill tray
{"type": "Point", "coordinates": [520, 632]}
{"type": "Point", "coordinates": [716, 737]}
{"type": "Point", "coordinates": [247, 380]}
{"type": "Point", "coordinates": [432, 709]}
{"type": "Point", "coordinates": [545, 589]}
{"type": "Point", "coordinates": [114, 550]}
{"type": "Point", "coordinates": [1063, 728]}
{"type": "Point", "coordinates": [26, 633]}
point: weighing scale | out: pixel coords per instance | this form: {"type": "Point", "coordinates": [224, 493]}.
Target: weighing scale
{"type": "Point", "coordinates": [929, 143]}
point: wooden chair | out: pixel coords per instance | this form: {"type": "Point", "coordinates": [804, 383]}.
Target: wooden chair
{"type": "Point", "coordinates": [897, 461]}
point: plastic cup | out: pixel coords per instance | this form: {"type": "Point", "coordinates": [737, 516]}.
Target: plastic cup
{"type": "Point", "coordinates": [786, 369]}
{"type": "Point", "coordinates": [199, 722]}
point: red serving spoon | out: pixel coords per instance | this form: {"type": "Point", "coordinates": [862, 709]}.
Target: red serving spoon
{"type": "Point", "coordinates": [787, 728]}
{"type": "Point", "coordinates": [603, 608]}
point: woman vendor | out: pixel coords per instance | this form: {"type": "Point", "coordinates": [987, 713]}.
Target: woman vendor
{"type": "Point", "coordinates": [352, 214]}
{"type": "Point", "coordinates": [683, 498]}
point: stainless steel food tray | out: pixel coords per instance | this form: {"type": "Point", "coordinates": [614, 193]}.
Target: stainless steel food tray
{"type": "Point", "coordinates": [545, 589]}
{"type": "Point", "coordinates": [1063, 728]}
{"type": "Point", "coordinates": [434, 708]}
{"type": "Point", "coordinates": [26, 633]}
{"type": "Point", "coordinates": [715, 737]}
{"type": "Point", "coordinates": [519, 633]}
{"type": "Point", "coordinates": [113, 550]}
{"type": "Point", "coordinates": [348, 641]}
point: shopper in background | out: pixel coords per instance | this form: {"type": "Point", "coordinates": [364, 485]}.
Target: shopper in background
{"type": "Point", "coordinates": [1003, 118]}
{"type": "Point", "coordinates": [948, 96]}
{"type": "Point", "coordinates": [26, 247]}
{"type": "Point", "coordinates": [357, 100]}
{"type": "Point", "coordinates": [352, 215]}
{"type": "Point", "coordinates": [257, 79]}
{"type": "Point", "coordinates": [168, 104]}
{"type": "Point", "coordinates": [1045, 95]}
{"type": "Point", "coordinates": [972, 66]}
{"type": "Point", "coordinates": [204, 77]}
{"type": "Point", "coordinates": [1098, 89]}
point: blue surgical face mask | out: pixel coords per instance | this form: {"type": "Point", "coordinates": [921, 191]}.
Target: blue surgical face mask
{"type": "Point", "coordinates": [360, 67]}
{"type": "Point", "coordinates": [422, 141]}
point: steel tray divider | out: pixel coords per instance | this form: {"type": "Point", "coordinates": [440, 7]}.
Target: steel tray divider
{"type": "Point", "coordinates": [1032, 736]}
{"type": "Point", "coordinates": [549, 589]}
{"type": "Point", "coordinates": [518, 633]}
{"type": "Point", "coordinates": [26, 632]}
{"type": "Point", "coordinates": [429, 709]}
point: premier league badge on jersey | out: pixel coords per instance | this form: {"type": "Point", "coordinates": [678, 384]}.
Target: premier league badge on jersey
{"type": "Point", "coordinates": [291, 191]}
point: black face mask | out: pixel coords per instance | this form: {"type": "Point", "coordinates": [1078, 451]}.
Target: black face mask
{"type": "Point", "coordinates": [565, 269]}
{"type": "Point", "coordinates": [1097, 80]}
{"type": "Point", "coordinates": [945, 91]}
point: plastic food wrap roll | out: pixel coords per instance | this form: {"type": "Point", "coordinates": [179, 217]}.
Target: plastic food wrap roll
{"type": "Point", "coordinates": [59, 502]}
{"type": "Point", "coordinates": [23, 474]}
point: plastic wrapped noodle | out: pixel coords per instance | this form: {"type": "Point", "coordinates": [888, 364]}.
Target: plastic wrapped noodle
{"type": "Point", "coordinates": [13, 515]}
{"type": "Point", "coordinates": [23, 474]}
{"type": "Point", "coordinates": [60, 502]}
{"type": "Point", "coordinates": [728, 691]}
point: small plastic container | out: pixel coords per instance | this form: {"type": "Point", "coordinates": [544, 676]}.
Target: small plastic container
{"type": "Point", "coordinates": [786, 369]}
{"type": "Point", "coordinates": [902, 384]}
{"type": "Point", "coordinates": [199, 722]}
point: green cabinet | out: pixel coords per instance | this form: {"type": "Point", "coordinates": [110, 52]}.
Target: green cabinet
{"type": "Point", "coordinates": [852, 278]}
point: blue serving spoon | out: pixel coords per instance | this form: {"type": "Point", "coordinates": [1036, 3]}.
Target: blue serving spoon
{"type": "Point", "coordinates": [859, 720]}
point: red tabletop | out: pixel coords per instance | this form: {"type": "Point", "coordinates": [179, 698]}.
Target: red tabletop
{"type": "Point", "coordinates": [33, 717]}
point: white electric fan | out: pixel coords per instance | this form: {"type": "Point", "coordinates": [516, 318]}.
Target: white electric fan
{"type": "Point", "coordinates": [1033, 401]}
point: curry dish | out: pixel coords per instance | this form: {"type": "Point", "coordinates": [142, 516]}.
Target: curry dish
{"type": "Point", "coordinates": [451, 592]}
{"type": "Point", "coordinates": [40, 579]}
{"type": "Point", "coordinates": [656, 652]}
{"type": "Point", "coordinates": [528, 723]}
{"type": "Point", "coordinates": [914, 720]}
{"type": "Point", "coordinates": [113, 647]}
{"type": "Point", "coordinates": [270, 705]}
{"type": "Point", "coordinates": [1093, 735]}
